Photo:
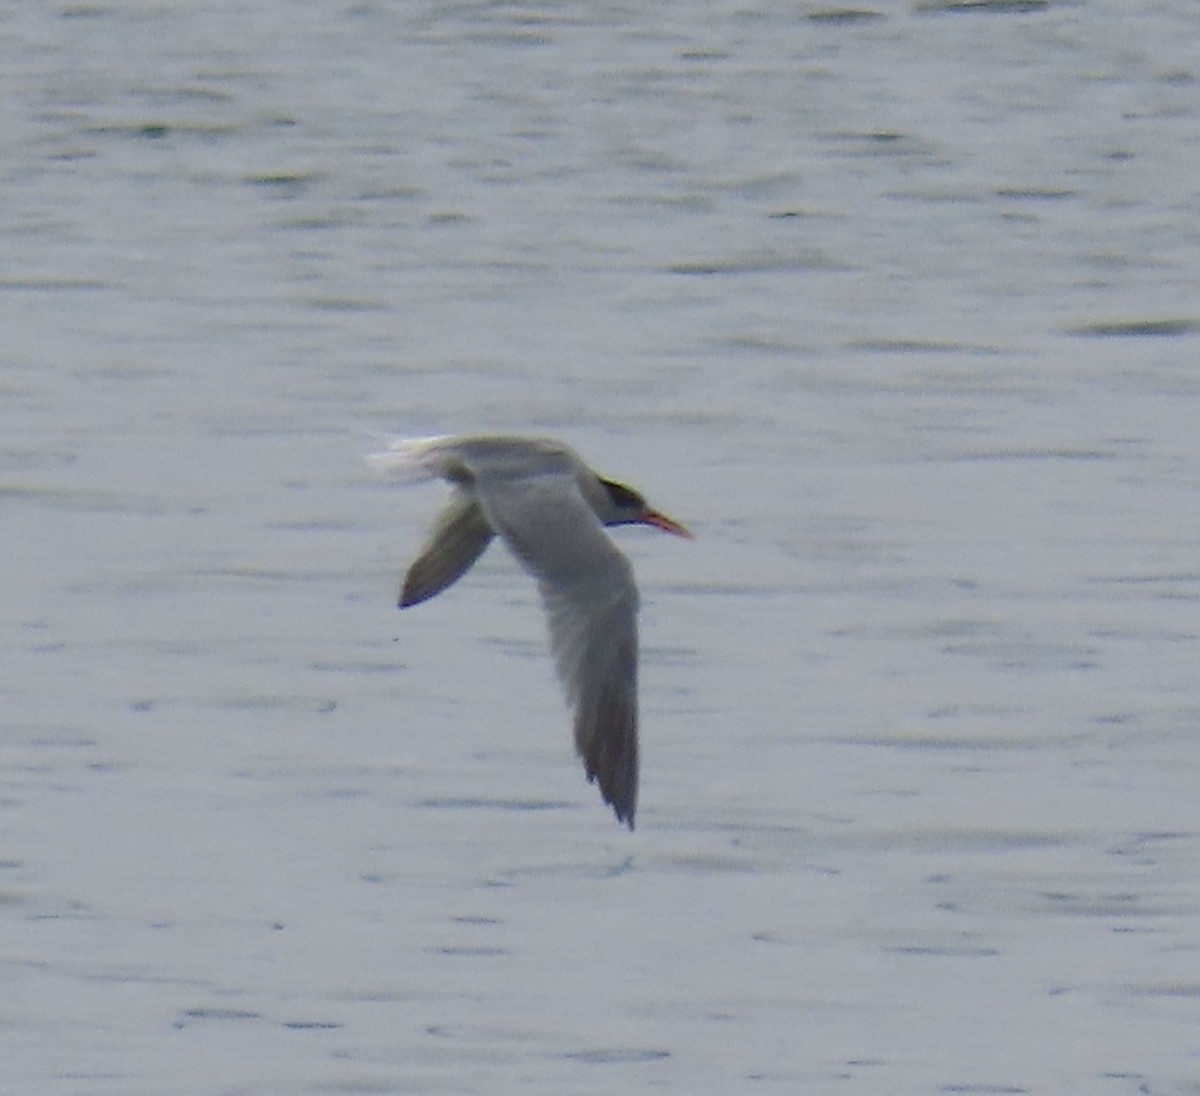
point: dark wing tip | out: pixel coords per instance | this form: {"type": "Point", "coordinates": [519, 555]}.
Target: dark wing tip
{"type": "Point", "coordinates": [623, 804]}
{"type": "Point", "coordinates": [415, 591]}
{"type": "Point", "coordinates": [606, 736]}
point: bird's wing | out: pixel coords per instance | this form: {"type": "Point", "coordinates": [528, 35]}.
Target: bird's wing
{"type": "Point", "coordinates": [588, 590]}
{"type": "Point", "coordinates": [458, 538]}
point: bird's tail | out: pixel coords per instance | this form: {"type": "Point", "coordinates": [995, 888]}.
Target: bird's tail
{"type": "Point", "coordinates": [408, 460]}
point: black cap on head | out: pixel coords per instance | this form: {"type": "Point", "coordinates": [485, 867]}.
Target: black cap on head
{"type": "Point", "coordinates": [624, 498]}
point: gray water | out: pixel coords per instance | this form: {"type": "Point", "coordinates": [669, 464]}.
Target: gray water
{"type": "Point", "coordinates": [897, 306]}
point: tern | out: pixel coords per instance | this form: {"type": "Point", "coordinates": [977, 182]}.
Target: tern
{"type": "Point", "coordinates": [540, 498]}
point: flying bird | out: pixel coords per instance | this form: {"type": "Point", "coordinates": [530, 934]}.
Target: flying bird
{"type": "Point", "coordinates": [549, 508]}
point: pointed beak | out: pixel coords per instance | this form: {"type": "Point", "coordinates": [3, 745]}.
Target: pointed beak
{"type": "Point", "coordinates": [661, 521]}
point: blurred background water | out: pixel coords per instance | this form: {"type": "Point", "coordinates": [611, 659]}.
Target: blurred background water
{"type": "Point", "coordinates": [895, 304]}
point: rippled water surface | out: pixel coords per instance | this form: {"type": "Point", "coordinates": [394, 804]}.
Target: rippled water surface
{"type": "Point", "coordinates": [896, 305]}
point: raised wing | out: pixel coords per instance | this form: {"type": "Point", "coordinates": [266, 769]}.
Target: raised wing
{"type": "Point", "coordinates": [591, 600]}
{"type": "Point", "coordinates": [458, 538]}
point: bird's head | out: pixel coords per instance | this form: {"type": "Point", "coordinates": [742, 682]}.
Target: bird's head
{"type": "Point", "coordinates": [627, 507]}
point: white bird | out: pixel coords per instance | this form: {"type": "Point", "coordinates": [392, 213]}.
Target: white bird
{"type": "Point", "coordinates": [549, 508]}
